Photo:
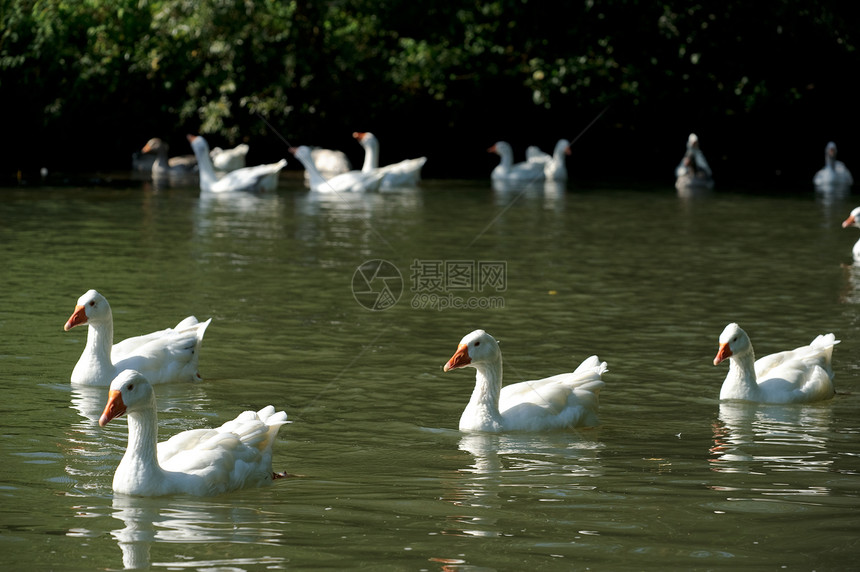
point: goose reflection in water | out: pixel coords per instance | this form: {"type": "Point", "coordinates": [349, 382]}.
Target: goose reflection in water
{"type": "Point", "coordinates": [552, 193]}
{"type": "Point", "coordinates": [164, 520]}
{"type": "Point", "coordinates": [552, 465]}
{"type": "Point", "coordinates": [751, 438]}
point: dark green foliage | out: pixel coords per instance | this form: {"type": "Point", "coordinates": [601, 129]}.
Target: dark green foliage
{"type": "Point", "coordinates": [87, 82]}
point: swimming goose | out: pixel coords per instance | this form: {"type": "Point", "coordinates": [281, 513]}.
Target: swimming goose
{"type": "Point", "coordinates": [834, 173]}
{"type": "Point", "coordinates": [163, 356]}
{"type": "Point", "coordinates": [406, 173]}
{"type": "Point", "coordinates": [507, 170]}
{"type": "Point", "coordinates": [557, 402]}
{"type": "Point", "coordinates": [794, 376]}
{"type": "Point", "coordinates": [164, 166]}
{"type": "Point", "coordinates": [257, 178]}
{"type": "Point", "coordinates": [351, 181]}
{"type": "Point", "coordinates": [554, 168]}
{"type": "Point", "coordinates": [693, 172]}
{"type": "Point", "coordinates": [200, 462]}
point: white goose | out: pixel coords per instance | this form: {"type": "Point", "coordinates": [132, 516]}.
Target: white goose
{"type": "Point", "coordinates": [854, 220]}
{"type": "Point", "coordinates": [163, 356]}
{"type": "Point", "coordinates": [506, 170]}
{"type": "Point", "coordinates": [200, 462]}
{"type": "Point", "coordinates": [557, 402]}
{"type": "Point", "coordinates": [554, 168]}
{"type": "Point", "coordinates": [351, 181]}
{"type": "Point", "coordinates": [257, 178]}
{"type": "Point", "coordinates": [693, 172]}
{"type": "Point", "coordinates": [794, 376]}
{"type": "Point", "coordinates": [229, 159]}
{"type": "Point", "coordinates": [406, 173]}
{"type": "Point", "coordinates": [834, 173]}
{"type": "Point", "coordinates": [164, 166]}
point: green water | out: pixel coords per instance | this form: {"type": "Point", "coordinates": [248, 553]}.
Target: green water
{"type": "Point", "coordinates": [672, 480]}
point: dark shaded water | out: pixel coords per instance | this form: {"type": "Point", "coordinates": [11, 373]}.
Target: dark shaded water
{"type": "Point", "coordinates": [673, 479]}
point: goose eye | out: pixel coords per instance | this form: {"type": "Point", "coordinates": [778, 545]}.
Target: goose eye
{"type": "Point", "coordinates": [92, 302]}
{"type": "Point", "coordinates": [478, 343]}
{"type": "Point", "coordinates": [131, 387]}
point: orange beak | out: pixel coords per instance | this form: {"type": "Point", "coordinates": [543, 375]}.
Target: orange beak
{"type": "Point", "coordinates": [114, 408]}
{"type": "Point", "coordinates": [848, 222]}
{"type": "Point", "coordinates": [459, 359]}
{"type": "Point", "coordinates": [359, 135]}
{"type": "Point", "coordinates": [78, 317]}
{"type": "Point", "coordinates": [491, 149]}
{"type": "Point", "coordinates": [722, 354]}
{"type": "Point", "coordinates": [191, 138]}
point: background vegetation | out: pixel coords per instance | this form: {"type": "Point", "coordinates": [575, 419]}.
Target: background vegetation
{"type": "Point", "coordinates": [766, 84]}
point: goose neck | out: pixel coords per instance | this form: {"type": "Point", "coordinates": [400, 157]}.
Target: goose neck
{"type": "Point", "coordinates": [139, 466]}
{"type": "Point", "coordinates": [371, 158]}
{"type": "Point", "coordinates": [741, 381]}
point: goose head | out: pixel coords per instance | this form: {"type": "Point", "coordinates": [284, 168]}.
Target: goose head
{"type": "Point", "coordinates": [92, 307]}
{"type": "Point", "coordinates": [303, 154]}
{"type": "Point", "coordinates": [473, 350]}
{"type": "Point", "coordinates": [129, 391]}
{"type": "Point", "coordinates": [733, 341]}
{"type": "Point", "coordinates": [693, 141]}
{"type": "Point", "coordinates": [562, 148]}
{"type": "Point", "coordinates": [198, 144]}
{"type": "Point", "coordinates": [502, 149]}
{"type": "Point", "coordinates": [365, 138]}
{"type": "Point", "coordinates": [853, 219]}
{"type": "Point", "coordinates": [154, 145]}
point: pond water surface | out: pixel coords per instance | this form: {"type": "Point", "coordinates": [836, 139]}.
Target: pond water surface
{"type": "Point", "coordinates": [673, 479]}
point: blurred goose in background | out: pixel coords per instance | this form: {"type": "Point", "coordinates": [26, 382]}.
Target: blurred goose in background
{"type": "Point", "coordinates": [201, 462]}
{"type": "Point", "coordinates": [558, 402]}
{"type": "Point", "coordinates": [506, 170]}
{"type": "Point", "coordinates": [329, 162]}
{"type": "Point", "coordinates": [854, 220]}
{"type": "Point", "coordinates": [351, 181]}
{"type": "Point", "coordinates": [406, 173]}
{"type": "Point", "coordinates": [164, 166]}
{"type": "Point", "coordinates": [693, 171]}
{"type": "Point", "coordinates": [835, 173]}
{"type": "Point", "coordinates": [800, 375]}
{"type": "Point", "coordinates": [163, 356]}
{"type": "Point", "coordinates": [554, 168]}
{"type": "Point", "coordinates": [229, 159]}
{"type": "Point", "coordinates": [257, 178]}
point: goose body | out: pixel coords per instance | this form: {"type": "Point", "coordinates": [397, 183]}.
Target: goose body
{"type": "Point", "coordinates": [507, 170]}
{"type": "Point", "coordinates": [247, 179]}
{"type": "Point", "coordinates": [406, 173]}
{"type": "Point", "coordinates": [834, 173]}
{"type": "Point", "coordinates": [800, 375]}
{"type": "Point", "coordinates": [693, 172]}
{"type": "Point", "coordinates": [164, 356]}
{"type": "Point", "coordinates": [227, 160]}
{"type": "Point", "coordinates": [349, 182]}
{"type": "Point", "coordinates": [200, 462]}
{"type": "Point", "coordinates": [558, 402]}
